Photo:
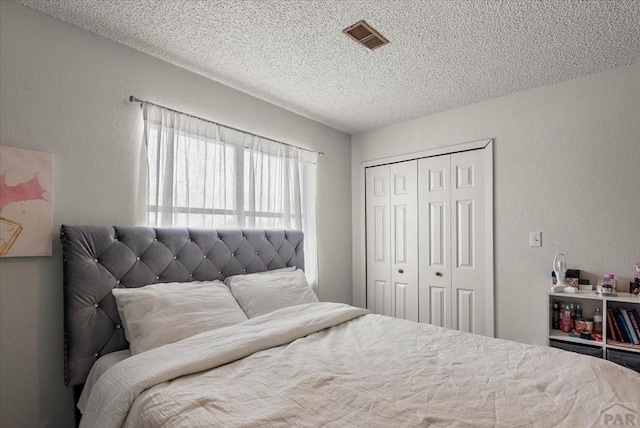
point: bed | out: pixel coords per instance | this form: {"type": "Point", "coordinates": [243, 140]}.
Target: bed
{"type": "Point", "coordinates": [304, 364]}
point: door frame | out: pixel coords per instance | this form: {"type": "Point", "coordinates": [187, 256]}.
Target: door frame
{"type": "Point", "coordinates": [360, 296]}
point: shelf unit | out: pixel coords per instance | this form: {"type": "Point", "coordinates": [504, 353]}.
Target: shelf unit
{"type": "Point", "coordinates": [623, 353]}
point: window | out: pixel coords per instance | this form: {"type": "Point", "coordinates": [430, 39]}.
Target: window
{"type": "Point", "coordinates": [201, 174]}
{"type": "Point", "coordinates": [183, 187]}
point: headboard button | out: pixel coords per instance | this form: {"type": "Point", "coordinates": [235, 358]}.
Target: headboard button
{"type": "Point", "coordinates": [175, 257]}
{"type": "Point", "coordinates": [97, 354]}
{"type": "Point", "coordinates": [205, 256]}
{"type": "Point", "coordinates": [95, 305]}
{"type": "Point", "coordinates": [117, 325]}
{"type": "Point", "coordinates": [244, 237]}
{"type": "Point", "coordinates": [95, 260]}
{"type": "Point", "coordinates": [138, 258]}
{"type": "Point", "coordinates": [157, 277]}
{"type": "Point", "coordinates": [117, 281]}
{"type": "Point", "coordinates": [233, 254]}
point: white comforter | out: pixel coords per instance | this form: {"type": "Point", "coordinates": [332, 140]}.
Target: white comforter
{"type": "Point", "coordinates": [289, 368]}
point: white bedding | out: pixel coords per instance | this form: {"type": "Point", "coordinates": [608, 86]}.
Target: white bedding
{"type": "Point", "coordinates": [103, 364]}
{"type": "Point", "coordinates": [366, 370]}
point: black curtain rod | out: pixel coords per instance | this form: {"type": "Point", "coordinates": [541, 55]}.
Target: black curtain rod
{"type": "Point", "coordinates": [134, 99]}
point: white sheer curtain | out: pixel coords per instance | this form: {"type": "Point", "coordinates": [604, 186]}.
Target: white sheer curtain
{"type": "Point", "coordinates": [201, 174]}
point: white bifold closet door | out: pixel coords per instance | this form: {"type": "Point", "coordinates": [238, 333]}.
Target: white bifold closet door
{"type": "Point", "coordinates": [425, 241]}
{"type": "Point", "coordinates": [392, 239]}
{"type": "Point", "coordinates": [434, 178]}
{"type": "Point", "coordinates": [452, 209]}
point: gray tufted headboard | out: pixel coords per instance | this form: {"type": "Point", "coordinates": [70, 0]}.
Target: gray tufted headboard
{"type": "Point", "coordinates": [100, 258]}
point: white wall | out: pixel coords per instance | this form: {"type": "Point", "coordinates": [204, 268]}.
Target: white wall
{"type": "Point", "coordinates": [566, 162]}
{"type": "Point", "coordinates": [63, 90]}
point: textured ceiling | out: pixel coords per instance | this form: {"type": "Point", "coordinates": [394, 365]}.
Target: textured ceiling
{"type": "Point", "coordinates": [442, 55]}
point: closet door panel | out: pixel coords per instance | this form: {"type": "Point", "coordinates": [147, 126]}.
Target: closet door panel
{"type": "Point", "coordinates": [404, 239]}
{"type": "Point", "coordinates": [437, 309]}
{"type": "Point", "coordinates": [434, 206]}
{"type": "Point", "coordinates": [378, 225]}
{"type": "Point", "coordinates": [464, 309]}
{"type": "Point", "coordinates": [468, 249]}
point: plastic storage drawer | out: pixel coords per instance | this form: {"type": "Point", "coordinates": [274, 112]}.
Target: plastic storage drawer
{"type": "Point", "coordinates": [593, 351]}
{"type": "Point", "coordinates": [628, 359]}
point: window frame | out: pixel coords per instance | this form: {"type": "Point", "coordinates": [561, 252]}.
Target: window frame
{"type": "Point", "coordinates": [241, 213]}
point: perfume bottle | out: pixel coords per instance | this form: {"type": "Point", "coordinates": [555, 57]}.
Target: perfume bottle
{"type": "Point", "coordinates": [566, 319]}
{"type": "Point", "coordinates": [597, 321]}
{"type": "Point", "coordinates": [609, 284]}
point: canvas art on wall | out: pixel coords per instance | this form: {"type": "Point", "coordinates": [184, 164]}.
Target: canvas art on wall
{"type": "Point", "coordinates": [26, 179]}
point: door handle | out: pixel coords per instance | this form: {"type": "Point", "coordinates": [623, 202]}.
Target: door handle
{"type": "Point", "coordinates": [400, 270]}
{"type": "Point", "coordinates": [438, 273]}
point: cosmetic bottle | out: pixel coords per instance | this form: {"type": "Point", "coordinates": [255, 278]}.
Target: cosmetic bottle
{"type": "Point", "coordinates": [597, 321]}
{"type": "Point", "coordinates": [566, 324]}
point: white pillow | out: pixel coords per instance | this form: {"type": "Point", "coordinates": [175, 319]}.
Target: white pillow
{"type": "Point", "coordinates": [157, 314]}
{"type": "Point", "coordinates": [259, 294]}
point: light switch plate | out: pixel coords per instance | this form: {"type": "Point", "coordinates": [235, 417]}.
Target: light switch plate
{"type": "Point", "coordinates": [535, 239]}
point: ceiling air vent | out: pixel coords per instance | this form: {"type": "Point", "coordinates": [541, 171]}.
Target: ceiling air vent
{"type": "Point", "coordinates": [366, 35]}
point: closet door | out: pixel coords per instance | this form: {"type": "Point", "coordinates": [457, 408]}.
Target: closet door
{"type": "Point", "coordinates": [429, 254]}
{"type": "Point", "coordinates": [392, 241]}
{"type": "Point", "coordinates": [378, 246]}
{"type": "Point", "coordinates": [404, 239]}
{"type": "Point", "coordinates": [434, 200]}
{"type": "Point", "coordinates": [471, 310]}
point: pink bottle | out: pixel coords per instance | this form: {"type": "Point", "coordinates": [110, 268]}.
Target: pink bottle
{"type": "Point", "coordinates": [566, 319]}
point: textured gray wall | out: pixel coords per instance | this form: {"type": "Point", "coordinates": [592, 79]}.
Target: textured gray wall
{"type": "Point", "coordinates": [63, 90]}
